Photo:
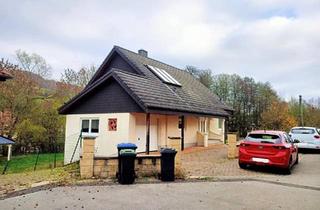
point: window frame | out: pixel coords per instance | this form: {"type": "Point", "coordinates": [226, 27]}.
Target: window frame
{"type": "Point", "coordinates": [287, 138]}
{"type": "Point", "coordinates": [90, 133]}
{"type": "Point", "coordinates": [220, 123]}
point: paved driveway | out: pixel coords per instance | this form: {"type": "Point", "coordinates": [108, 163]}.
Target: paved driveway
{"type": "Point", "coordinates": [212, 162]}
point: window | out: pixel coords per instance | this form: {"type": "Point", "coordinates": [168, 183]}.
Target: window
{"type": "Point", "coordinates": [164, 76]}
{"type": "Point", "coordinates": [94, 126]}
{"type": "Point", "coordinates": [220, 123]}
{"type": "Point", "coordinates": [85, 126]}
{"type": "Point", "coordinates": [287, 138]}
{"type": "Point", "coordinates": [90, 126]}
{"type": "Point", "coordinates": [302, 131]}
{"type": "Point", "coordinates": [263, 138]}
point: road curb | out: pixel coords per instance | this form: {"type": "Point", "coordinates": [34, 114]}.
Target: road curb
{"type": "Point", "coordinates": [51, 186]}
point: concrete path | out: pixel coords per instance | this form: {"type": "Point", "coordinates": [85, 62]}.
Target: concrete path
{"type": "Point", "coordinates": [193, 195]}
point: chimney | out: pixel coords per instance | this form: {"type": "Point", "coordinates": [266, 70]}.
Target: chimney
{"type": "Point", "coordinates": [143, 53]}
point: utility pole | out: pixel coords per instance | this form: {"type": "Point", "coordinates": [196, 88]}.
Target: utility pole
{"type": "Point", "coordinates": [300, 110]}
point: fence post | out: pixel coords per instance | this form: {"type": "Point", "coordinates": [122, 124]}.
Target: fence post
{"type": "Point", "coordinates": [36, 163]}
{"type": "Point", "coordinates": [55, 155]}
{"type": "Point", "coordinates": [232, 146]}
{"type": "Point", "coordinates": [87, 157]}
{"type": "Point", "coordinates": [5, 167]}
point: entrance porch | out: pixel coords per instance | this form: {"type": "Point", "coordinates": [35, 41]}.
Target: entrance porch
{"type": "Point", "coordinates": [150, 132]}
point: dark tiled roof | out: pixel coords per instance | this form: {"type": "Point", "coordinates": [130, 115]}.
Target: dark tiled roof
{"type": "Point", "coordinates": [5, 74]}
{"type": "Point", "coordinates": [151, 93]}
{"type": "Point", "coordinates": [192, 96]}
{"type": "Point", "coordinates": [155, 94]}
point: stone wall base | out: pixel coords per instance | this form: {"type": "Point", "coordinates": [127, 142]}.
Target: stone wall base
{"type": "Point", "coordinates": [146, 166]}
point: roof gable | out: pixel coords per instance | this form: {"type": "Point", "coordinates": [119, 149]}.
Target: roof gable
{"type": "Point", "coordinates": [117, 60]}
{"type": "Point", "coordinates": [106, 95]}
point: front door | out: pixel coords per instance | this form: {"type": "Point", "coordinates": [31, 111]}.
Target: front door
{"type": "Point", "coordinates": [154, 134]}
{"type": "Point", "coordinates": [141, 132]}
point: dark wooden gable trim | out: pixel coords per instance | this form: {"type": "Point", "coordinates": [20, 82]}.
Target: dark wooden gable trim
{"type": "Point", "coordinates": [115, 59]}
{"type": "Point", "coordinates": [109, 97]}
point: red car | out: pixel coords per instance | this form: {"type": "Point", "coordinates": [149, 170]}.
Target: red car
{"type": "Point", "coordinates": [271, 148]}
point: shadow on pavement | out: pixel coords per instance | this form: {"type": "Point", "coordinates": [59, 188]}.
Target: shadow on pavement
{"type": "Point", "coordinates": [309, 151]}
{"type": "Point", "coordinates": [267, 169]}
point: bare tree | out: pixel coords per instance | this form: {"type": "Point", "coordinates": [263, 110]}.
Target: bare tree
{"type": "Point", "coordinates": [80, 78]}
{"type": "Point", "coordinates": [203, 75]}
{"type": "Point", "coordinates": [33, 63]}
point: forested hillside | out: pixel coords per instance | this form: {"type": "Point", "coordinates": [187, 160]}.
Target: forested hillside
{"type": "Point", "coordinates": [29, 102]}
{"type": "Point", "coordinates": [257, 105]}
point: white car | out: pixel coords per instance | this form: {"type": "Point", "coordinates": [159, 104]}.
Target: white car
{"type": "Point", "coordinates": [309, 137]}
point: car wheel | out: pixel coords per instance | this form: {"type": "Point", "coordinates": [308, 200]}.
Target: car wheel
{"type": "Point", "coordinates": [242, 165]}
{"type": "Point", "coordinates": [288, 169]}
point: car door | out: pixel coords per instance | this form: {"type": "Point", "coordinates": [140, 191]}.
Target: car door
{"type": "Point", "coordinates": [293, 147]}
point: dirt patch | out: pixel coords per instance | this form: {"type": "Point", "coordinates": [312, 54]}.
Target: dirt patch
{"type": "Point", "coordinates": [19, 181]}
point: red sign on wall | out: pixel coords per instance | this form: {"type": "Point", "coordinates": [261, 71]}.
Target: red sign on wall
{"type": "Point", "coordinates": [112, 124]}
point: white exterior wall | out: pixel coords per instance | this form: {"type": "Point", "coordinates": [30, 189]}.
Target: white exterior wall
{"type": "Point", "coordinates": [106, 141]}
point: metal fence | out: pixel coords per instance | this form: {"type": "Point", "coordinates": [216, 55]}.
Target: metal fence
{"type": "Point", "coordinates": [31, 158]}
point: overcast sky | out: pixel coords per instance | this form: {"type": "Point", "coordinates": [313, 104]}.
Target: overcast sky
{"type": "Point", "coordinates": [270, 40]}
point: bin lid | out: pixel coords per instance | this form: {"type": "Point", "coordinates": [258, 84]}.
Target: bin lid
{"type": "Point", "coordinates": [126, 146]}
{"type": "Point", "coordinates": [168, 150]}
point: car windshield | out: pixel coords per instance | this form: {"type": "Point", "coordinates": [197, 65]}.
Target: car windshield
{"type": "Point", "coordinates": [302, 131]}
{"type": "Point", "coordinates": [263, 138]}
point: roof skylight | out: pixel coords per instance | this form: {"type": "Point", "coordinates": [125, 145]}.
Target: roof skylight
{"type": "Point", "coordinates": [163, 75]}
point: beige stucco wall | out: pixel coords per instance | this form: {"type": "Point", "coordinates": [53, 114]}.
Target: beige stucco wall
{"type": "Point", "coordinates": [190, 132]}
{"type": "Point", "coordinates": [106, 141]}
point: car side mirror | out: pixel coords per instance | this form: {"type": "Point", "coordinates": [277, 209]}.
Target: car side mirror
{"type": "Point", "coordinates": [296, 141]}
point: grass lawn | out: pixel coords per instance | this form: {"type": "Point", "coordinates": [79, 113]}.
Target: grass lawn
{"type": "Point", "coordinates": [24, 163]}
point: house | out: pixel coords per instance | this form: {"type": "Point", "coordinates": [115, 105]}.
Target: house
{"type": "Point", "coordinates": [4, 75]}
{"type": "Point", "coordinates": [137, 99]}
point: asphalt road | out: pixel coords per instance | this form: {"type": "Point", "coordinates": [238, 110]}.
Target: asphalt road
{"type": "Point", "coordinates": [306, 173]}
{"type": "Point", "coordinates": [301, 190]}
